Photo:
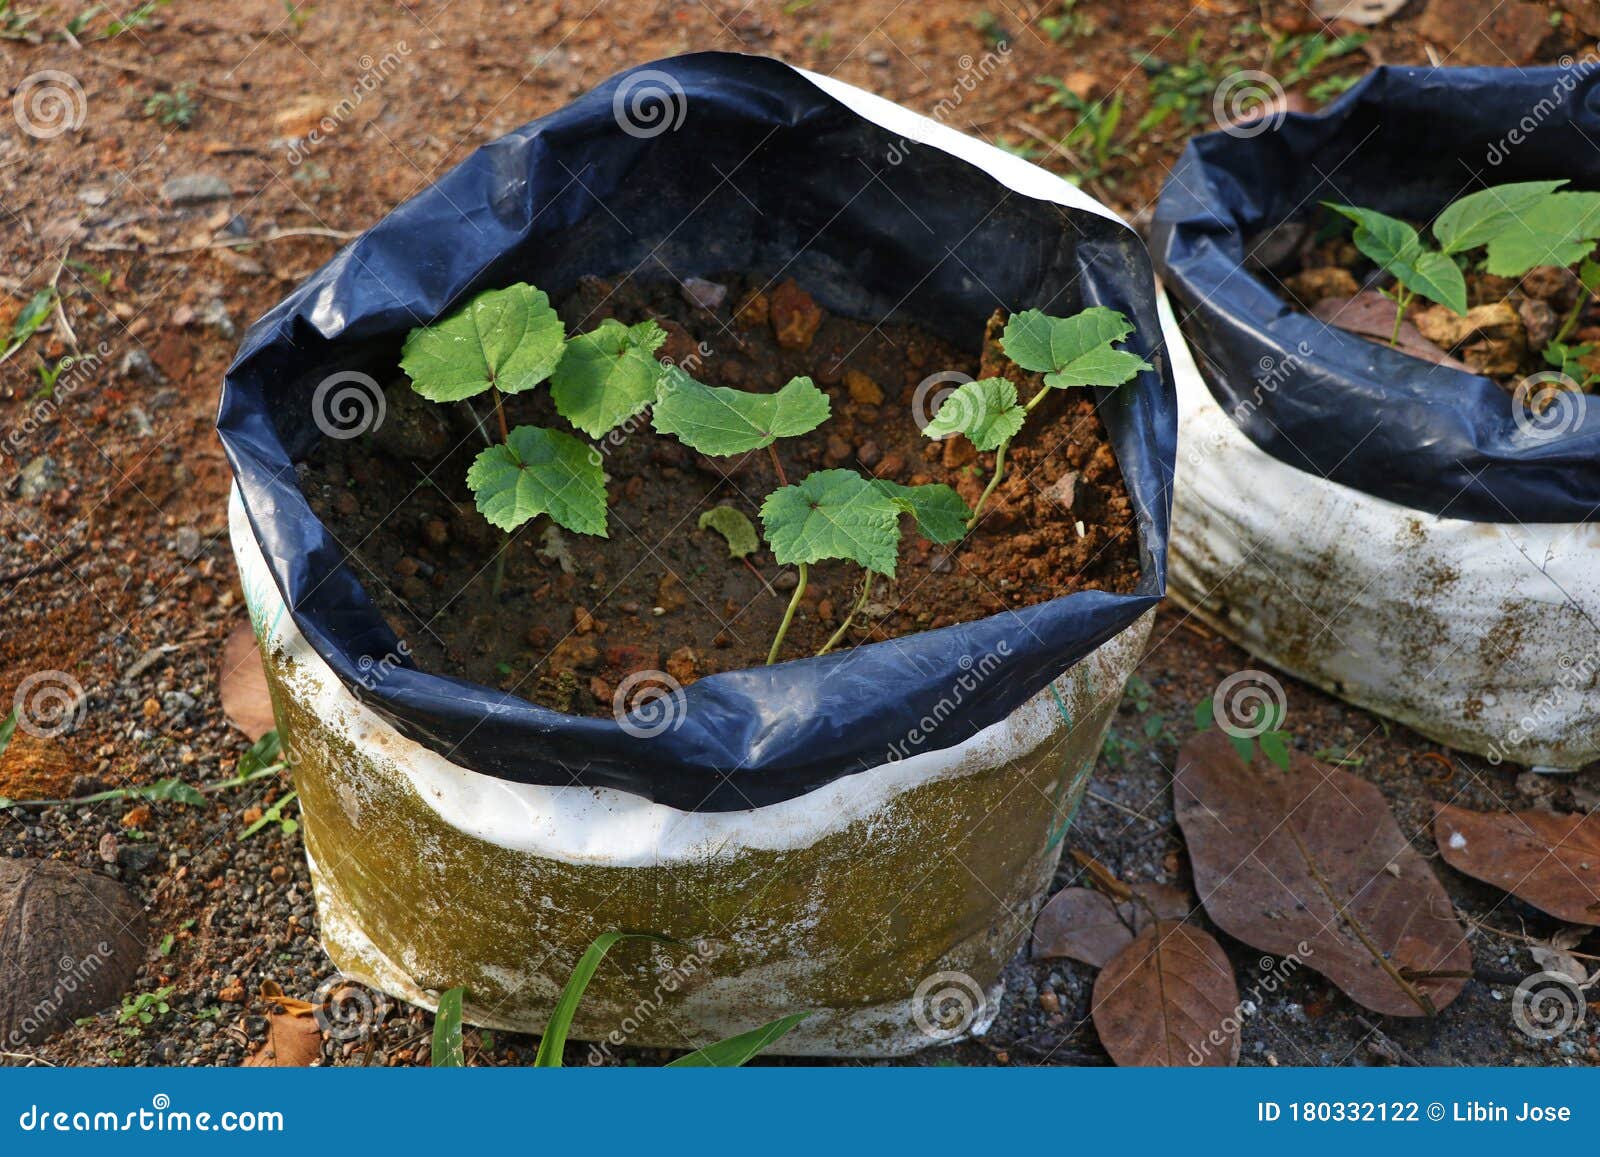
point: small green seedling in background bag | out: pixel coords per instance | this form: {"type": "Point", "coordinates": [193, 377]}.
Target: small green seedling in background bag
{"type": "Point", "coordinates": [1519, 226]}
{"type": "Point", "coordinates": [1069, 351]}
{"type": "Point", "coordinates": [837, 514]}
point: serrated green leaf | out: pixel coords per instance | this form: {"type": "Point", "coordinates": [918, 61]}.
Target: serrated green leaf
{"type": "Point", "coordinates": [541, 471]}
{"type": "Point", "coordinates": [447, 1051]}
{"type": "Point", "coordinates": [608, 375]}
{"type": "Point", "coordinates": [720, 421]}
{"type": "Point", "coordinates": [736, 1050]}
{"type": "Point", "coordinates": [507, 338]}
{"type": "Point", "coordinates": [1476, 219]}
{"type": "Point", "coordinates": [1072, 351]}
{"type": "Point", "coordinates": [1560, 230]}
{"type": "Point", "coordinates": [986, 411]}
{"type": "Point", "coordinates": [940, 512]}
{"type": "Point", "coordinates": [833, 514]}
{"type": "Point", "coordinates": [1395, 247]}
{"type": "Point", "coordinates": [734, 527]}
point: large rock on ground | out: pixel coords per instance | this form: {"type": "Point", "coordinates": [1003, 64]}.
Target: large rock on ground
{"type": "Point", "coordinates": [70, 944]}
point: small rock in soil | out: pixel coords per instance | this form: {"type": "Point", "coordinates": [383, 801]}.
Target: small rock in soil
{"type": "Point", "coordinates": [194, 189]}
{"type": "Point", "coordinates": [707, 295]}
{"type": "Point", "coordinates": [863, 389]}
{"type": "Point", "coordinates": [795, 317]}
{"type": "Point", "coordinates": [39, 477]}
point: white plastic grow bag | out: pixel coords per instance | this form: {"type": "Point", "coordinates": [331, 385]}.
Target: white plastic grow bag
{"type": "Point", "coordinates": [1482, 636]}
{"type": "Point", "coordinates": [881, 901]}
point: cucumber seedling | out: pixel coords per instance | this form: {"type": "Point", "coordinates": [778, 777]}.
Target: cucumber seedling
{"type": "Point", "coordinates": [837, 514]}
{"type": "Point", "coordinates": [509, 341]}
{"type": "Point", "coordinates": [1069, 351]}
{"type": "Point", "coordinates": [1519, 226]}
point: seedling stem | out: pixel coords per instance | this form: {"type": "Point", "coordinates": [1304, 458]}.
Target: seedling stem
{"type": "Point", "coordinates": [838, 636]}
{"type": "Point", "coordinates": [788, 614]}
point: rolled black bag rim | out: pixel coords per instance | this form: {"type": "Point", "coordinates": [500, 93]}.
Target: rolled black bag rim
{"type": "Point", "coordinates": [1337, 405]}
{"type": "Point", "coordinates": [742, 739]}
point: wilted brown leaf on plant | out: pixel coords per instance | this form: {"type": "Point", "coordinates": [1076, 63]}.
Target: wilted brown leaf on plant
{"type": "Point", "coordinates": [244, 684]}
{"type": "Point", "coordinates": [1310, 863]}
{"type": "Point", "coordinates": [1550, 860]}
{"type": "Point", "coordinates": [1085, 924]}
{"type": "Point", "coordinates": [1169, 999]}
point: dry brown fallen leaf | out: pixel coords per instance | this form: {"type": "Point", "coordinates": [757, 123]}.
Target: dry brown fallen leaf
{"type": "Point", "coordinates": [1169, 999]}
{"type": "Point", "coordinates": [1310, 863]}
{"type": "Point", "coordinates": [294, 1038]}
{"type": "Point", "coordinates": [1085, 924]}
{"type": "Point", "coordinates": [244, 684]}
{"type": "Point", "coordinates": [1550, 860]}
{"type": "Point", "coordinates": [1371, 315]}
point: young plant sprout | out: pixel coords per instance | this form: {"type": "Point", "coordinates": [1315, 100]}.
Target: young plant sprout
{"type": "Point", "coordinates": [1069, 351]}
{"type": "Point", "coordinates": [720, 421]}
{"type": "Point", "coordinates": [509, 341]}
{"type": "Point", "coordinates": [837, 514]}
{"type": "Point", "coordinates": [1519, 225]}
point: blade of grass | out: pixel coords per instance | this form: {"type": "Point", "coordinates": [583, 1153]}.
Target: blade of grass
{"type": "Point", "coordinates": [736, 1050]}
{"type": "Point", "coordinates": [555, 1033]}
{"type": "Point", "coordinates": [447, 1051]}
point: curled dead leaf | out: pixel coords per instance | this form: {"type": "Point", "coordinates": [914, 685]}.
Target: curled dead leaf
{"type": "Point", "coordinates": [1087, 925]}
{"type": "Point", "coordinates": [245, 700]}
{"type": "Point", "coordinates": [1550, 860]}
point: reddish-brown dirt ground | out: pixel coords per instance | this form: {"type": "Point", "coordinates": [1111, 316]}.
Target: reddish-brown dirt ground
{"type": "Point", "coordinates": [114, 565]}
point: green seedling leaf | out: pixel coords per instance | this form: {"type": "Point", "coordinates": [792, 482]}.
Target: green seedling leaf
{"type": "Point", "coordinates": [1275, 746]}
{"type": "Point", "coordinates": [508, 338]}
{"type": "Point", "coordinates": [608, 375]}
{"type": "Point", "coordinates": [447, 1051]}
{"type": "Point", "coordinates": [833, 514]}
{"type": "Point", "coordinates": [8, 728]}
{"type": "Point", "coordinates": [739, 531]}
{"type": "Point", "coordinates": [986, 411]}
{"type": "Point", "coordinates": [1477, 219]}
{"type": "Point", "coordinates": [736, 1050]}
{"type": "Point", "coordinates": [719, 421]}
{"type": "Point", "coordinates": [1395, 247]}
{"type": "Point", "coordinates": [1560, 230]}
{"type": "Point", "coordinates": [540, 471]}
{"type": "Point", "coordinates": [554, 1039]}
{"type": "Point", "coordinates": [1072, 351]}
{"type": "Point", "coordinates": [1589, 274]}
{"type": "Point", "coordinates": [940, 512]}
{"type": "Point", "coordinates": [31, 317]}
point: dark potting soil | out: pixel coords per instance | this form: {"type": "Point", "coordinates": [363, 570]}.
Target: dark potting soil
{"type": "Point", "coordinates": [577, 615]}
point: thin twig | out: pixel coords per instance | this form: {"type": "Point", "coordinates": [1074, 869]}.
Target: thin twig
{"type": "Point", "coordinates": [1387, 1043]}
{"type": "Point", "coordinates": [230, 243]}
